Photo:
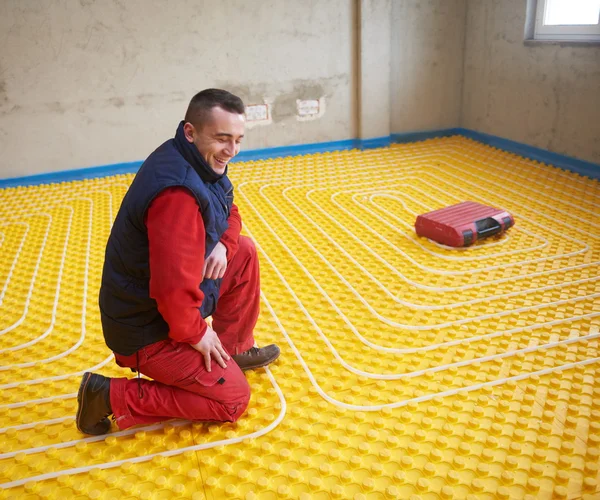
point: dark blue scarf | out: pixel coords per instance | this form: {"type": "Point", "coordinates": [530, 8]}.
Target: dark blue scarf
{"type": "Point", "coordinates": [191, 154]}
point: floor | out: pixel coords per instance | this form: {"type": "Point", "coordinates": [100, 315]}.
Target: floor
{"type": "Point", "coordinates": [408, 370]}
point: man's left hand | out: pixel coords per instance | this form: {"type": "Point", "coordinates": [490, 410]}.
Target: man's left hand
{"type": "Point", "coordinates": [216, 263]}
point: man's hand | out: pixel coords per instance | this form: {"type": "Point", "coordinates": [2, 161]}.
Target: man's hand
{"type": "Point", "coordinates": [210, 345]}
{"type": "Point", "coordinates": [216, 263]}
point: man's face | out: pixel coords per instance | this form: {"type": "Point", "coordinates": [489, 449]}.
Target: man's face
{"type": "Point", "coordinates": [218, 139]}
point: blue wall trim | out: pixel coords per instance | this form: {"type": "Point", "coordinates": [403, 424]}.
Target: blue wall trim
{"type": "Point", "coordinates": [565, 162]}
{"type": "Point", "coordinates": [422, 136]}
{"type": "Point", "coordinates": [377, 142]}
{"type": "Point", "coordinates": [562, 161]}
{"type": "Point", "coordinates": [72, 175]}
{"type": "Point", "coordinates": [558, 160]}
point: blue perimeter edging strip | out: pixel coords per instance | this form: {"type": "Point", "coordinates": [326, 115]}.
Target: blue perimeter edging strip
{"type": "Point", "coordinates": [581, 167]}
{"type": "Point", "coordinates": [565, 162]}
{"type": "Point", "coordinates": [72, 175]}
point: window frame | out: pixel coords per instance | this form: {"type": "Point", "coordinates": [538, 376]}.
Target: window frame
{"type": "Point", "coordinates": [535, 30]}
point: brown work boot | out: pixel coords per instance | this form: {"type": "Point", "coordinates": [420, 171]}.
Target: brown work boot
{"type": "Point", "coordinates": [255, 357]}
{"type": "Point", "coordinates": [93, 401]}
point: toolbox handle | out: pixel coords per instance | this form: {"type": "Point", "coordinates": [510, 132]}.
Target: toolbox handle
{"type": "Point", "coordinates": [487, 227]}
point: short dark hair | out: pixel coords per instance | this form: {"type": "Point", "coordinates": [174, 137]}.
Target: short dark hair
{"type": "Point", "coordinates": [203, 102]}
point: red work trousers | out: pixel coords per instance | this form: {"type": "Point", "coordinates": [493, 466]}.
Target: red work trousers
{"type": "Point", "coordinates": [181, 386]}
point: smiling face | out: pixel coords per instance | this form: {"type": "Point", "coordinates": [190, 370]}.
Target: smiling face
{"type": "Point", "coordinates": [219, 138]}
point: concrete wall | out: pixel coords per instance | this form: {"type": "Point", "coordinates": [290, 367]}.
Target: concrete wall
{"type": "Point", "coordinates": [374, 68]}
{"type": "Point", "coordinates": [94, 82]}
{"type": "Point", "coordinates": [545, 95]}
{"type": "Point", "coordinates": [86, 83]}
{"type": "Point", "coordinates": [427, 63]}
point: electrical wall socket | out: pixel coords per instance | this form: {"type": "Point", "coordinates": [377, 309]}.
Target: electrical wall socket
{"type": "Point", "coordinates": [257, 112]}
{"type": "Point", "coordinates": [309, 107]}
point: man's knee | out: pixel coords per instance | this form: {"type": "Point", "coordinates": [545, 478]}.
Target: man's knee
{"type": "Point", "coordinates": [238, 409]}
{"type": "Point", "coordinates": [246, 247]}
{"type": "Point", "coordinates": [236, 397]}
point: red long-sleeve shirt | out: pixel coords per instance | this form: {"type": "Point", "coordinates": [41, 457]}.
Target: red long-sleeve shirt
{"type": "Point", "coordinates": [176, 239]}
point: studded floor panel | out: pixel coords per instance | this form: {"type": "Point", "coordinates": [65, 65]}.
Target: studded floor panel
{"type": "Point", "coordinates": [408, 370]}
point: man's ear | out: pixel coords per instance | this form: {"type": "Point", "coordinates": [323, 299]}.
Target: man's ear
{"type": "Point", "coordinates": [189, 131]}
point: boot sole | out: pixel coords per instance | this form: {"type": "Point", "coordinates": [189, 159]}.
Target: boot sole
{"type": "Point", "coordinates": [254, 367]}
{"type": "Point", "coordinates": [82, 387]}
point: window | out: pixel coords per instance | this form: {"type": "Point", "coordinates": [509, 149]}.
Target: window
{"type": "Point", "coordinates": [570, 20]}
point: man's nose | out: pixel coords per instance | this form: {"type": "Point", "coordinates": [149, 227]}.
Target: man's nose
{"type": "Point", "coordinates": [230, 148]}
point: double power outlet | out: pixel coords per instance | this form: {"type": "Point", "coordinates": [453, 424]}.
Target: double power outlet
{"type": "Point", "coordinates": [305, 109]}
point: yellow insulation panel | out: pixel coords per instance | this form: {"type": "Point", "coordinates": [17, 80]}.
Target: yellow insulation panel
{"type": "Point", "coordinates": [409, 370]}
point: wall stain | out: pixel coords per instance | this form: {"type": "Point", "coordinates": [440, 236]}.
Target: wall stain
{"type": "Point", "coordinates": [145, 100]}
{"type": "Point", "coordinates": [84, 106]}
{"type": "Point", "coordinates": [14, 109]}
{"type": "Point", "coordinates": [56, 107]}
{"type": "Point", "coordinates": [250, 95]}
{"type": "Point", "coordinates": [283, 97]}
{"type": "Point", "coordinates": [117, 102]}
{"type": "Point", "coordinates": [284, 105]}
{"type": "Point", "coordinates": [3, 93]}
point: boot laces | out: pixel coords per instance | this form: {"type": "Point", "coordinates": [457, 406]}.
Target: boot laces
{"type": "Point", "coordinates": [253, 351]}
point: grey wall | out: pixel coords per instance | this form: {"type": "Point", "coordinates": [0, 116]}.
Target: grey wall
{"type": "Point", "coordinates": [545, 95]}
{"type": "Point", "coordinates": [86, 83]}
{"type": "Point", "coordinates": [374, 68]}
{"type": "Point", "coordinates": [427, 63]}
{"type": "Point", "coordinates": [92, 83]}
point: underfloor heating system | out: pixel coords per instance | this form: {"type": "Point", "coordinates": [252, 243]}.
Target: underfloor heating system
{"type": "Point", "coordinates": [409, 370]}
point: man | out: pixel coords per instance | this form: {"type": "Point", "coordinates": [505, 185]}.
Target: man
{"type": "Point", "coordinates": [174, 257]}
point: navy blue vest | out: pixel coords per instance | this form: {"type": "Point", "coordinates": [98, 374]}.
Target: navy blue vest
{"type": "Point", "coordinates": [130, 318]}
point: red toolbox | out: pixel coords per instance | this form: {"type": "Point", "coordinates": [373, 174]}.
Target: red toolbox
{"type": "Point", "coordinates": [463, 224]}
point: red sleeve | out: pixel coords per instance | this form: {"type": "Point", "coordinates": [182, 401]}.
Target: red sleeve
{"type": "Point", "coordinates": [176, 241]}
{"type": "Point", "coordinates": [231, 236]}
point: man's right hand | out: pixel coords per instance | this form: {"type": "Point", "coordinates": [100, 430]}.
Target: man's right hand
{"type": "Point", "coordinates": [210, 345]}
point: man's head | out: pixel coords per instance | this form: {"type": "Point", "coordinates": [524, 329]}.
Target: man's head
{"type": "Point", "coordinates": [214, 123]}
